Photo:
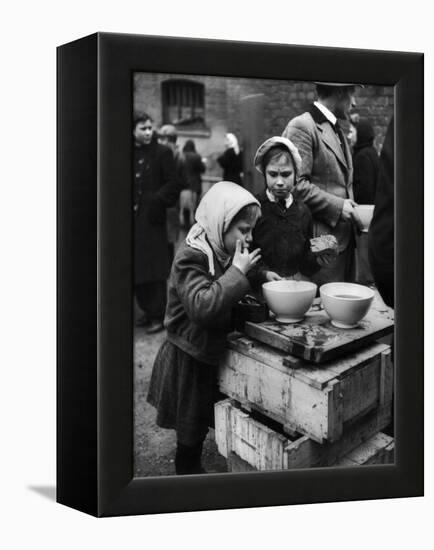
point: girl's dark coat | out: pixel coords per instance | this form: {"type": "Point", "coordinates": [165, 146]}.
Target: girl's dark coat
{"type": "Point", "coordinates": [199, 305]}
{"type": "Point", "coordinates": [283, 237]}
{"type": "Point", "coordinates": [183, 385]}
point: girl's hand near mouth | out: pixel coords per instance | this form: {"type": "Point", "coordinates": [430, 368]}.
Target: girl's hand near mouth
{"type": "Point", "coordinates": [244, 260]}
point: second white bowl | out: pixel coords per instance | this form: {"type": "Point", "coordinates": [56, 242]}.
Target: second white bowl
{"type": "Point", "coordinates": [346, 303]}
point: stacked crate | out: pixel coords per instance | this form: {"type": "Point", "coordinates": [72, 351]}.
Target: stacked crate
{"type": "Point", "coordinates": [285, 413]}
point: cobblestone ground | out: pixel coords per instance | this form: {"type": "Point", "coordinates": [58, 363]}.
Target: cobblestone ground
{"type": "Point", "coordinates": [154, 447]}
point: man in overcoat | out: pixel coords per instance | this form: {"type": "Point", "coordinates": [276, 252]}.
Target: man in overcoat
{"type": "Point", "coordinates": [155, 189]}
{"type": "Point", "coordinates": [325, 180]}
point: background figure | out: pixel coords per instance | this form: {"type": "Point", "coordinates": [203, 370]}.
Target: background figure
{"type": "Point", "coordinates": [382, 230]}
{"type": "Point", "coordinates": [366, 164]}
{"type": "Point", "coordinates": [155, 189]}
{"type": "Point", "coordinates": [231, 160]}
{"type": "Point", "coordinates": [352, 136]}
{"type": "Point", "coordinates": [325, 180]}
{"type": "Point", "coordinates": [194, 168]}
{"type": "Point", "coordinates": [168, 136]}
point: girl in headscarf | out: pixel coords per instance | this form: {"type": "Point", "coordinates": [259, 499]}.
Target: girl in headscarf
{"type": "Point", "coordinates": [207, 279]}
{"type": "Point", "coordinates": [284, 231]}
{"type": "Point", "coordinates": [231, 160]}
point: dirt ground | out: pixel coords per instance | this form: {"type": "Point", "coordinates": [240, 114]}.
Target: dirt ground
{"type": "Point", "coordinates": [154, 447]}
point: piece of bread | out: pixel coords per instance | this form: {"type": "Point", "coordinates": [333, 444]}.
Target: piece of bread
{"type": "Point", "coordinates": [325, 244]}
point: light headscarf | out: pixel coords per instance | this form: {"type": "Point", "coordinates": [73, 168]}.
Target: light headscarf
{"type": "Point", "coordinates": [214, 215]}
{"type": "Point", "coordinates": [273, 142]}
{"type": "Point", "coordinates": [233, 142]}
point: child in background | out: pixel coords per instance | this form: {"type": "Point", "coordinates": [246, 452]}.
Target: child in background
{"type": "Point", "coordinates": [189, 198]}
{"type": "Point", "coordinates": [284, 231]}
{"type": "Point", "coordinates": [207, 279]}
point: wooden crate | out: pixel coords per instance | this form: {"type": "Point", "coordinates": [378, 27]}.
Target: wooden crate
{"type": "Point", "coordinates": [242, 438]}
{"type": "Point", "coordinates": [317, 401]}
{"type": "Point", "coordinates": [378, 450]}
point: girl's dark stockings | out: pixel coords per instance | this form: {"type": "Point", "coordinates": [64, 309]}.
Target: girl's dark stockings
{"type": "Point", "coordinates": [188, 459]}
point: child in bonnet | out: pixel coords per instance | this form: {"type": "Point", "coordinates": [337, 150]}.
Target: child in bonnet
{"type": "Point", "coordinates": [207, 279]}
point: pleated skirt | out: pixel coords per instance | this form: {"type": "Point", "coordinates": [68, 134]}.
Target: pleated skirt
{"type": "Point", "coordinates": [184, 391]}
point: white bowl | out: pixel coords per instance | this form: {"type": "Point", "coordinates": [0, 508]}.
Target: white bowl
{"type": "Point", "coordinates": [289, 300]}
{"type": "Point", "coordinates": [363, 214]}
{"type": "Point", "coordinates": [346, 303]}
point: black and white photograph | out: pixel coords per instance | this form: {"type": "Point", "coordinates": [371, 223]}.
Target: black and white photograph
{"type": "Point", "coordinates": [263, 274]}
{"type": "Point", "coordinates": [240, 312]}
{"type": "Point", "coordinates": [182, 182]}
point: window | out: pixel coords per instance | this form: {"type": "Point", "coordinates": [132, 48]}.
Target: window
{"type": "Point", "coordinates": [183, 104]}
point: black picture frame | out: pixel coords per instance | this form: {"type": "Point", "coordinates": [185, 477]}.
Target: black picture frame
{"type": "Point", "coordinates": [95, 322]}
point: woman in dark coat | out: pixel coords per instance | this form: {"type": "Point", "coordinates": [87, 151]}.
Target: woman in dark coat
{"type": "Point", "coordinates": [155, 189]}
{"type": "Point", "coordinates": [231, 160]}
{"type": "Point", "coordinates": [194, 167]}
{"type": "Point", "coordinates": [366, 164]}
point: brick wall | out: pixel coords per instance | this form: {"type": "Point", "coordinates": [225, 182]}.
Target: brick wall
{"type": "Point", "coordinates": [282, 101]}
{"type": "Point", "coordinates": [289, 99]}
{"type": "Point", "coordinates": [210, 142]}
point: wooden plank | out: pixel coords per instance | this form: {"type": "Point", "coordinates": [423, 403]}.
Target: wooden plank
{"type": "Point", "coordinates": [317, 376]}
{"type": "Point", "coordinates": [386, 377]}
{"type": "Point", "coordinates": [263, 448]}
{"type": "Point", "coordinates": [355, 361]}
{"type": "Point", "coordinates": [361, 390]}
{"type": "Point", "coordinates": [222, 415]}
{"type": "Point", "coordinates": [316, 340]}
{"type": "Point", "coordinates": [335, 417]}
{"type": "Point", "coordinates": [238, 465]}
{"type": "Point", "coordinates": [256, 350]}
{"type": "Point", "coordinates": [379, 449]}
{"type": "Point", "coordinates": [289, 431]}
{"type": "Point", "coordinates": [305, 453]}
